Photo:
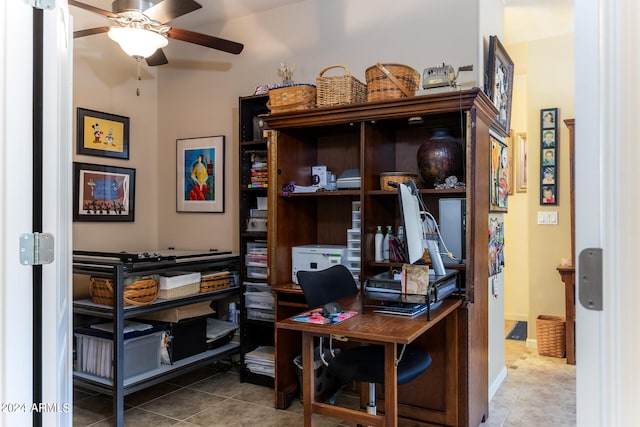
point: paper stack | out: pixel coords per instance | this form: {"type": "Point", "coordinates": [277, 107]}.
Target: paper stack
{"type": "Point", "coordinates": [260, 361]}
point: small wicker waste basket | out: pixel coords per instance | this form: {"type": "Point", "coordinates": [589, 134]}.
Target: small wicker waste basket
{"type": "Point", "coordinates": [550, 333]}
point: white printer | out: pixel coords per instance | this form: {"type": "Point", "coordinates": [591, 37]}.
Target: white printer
{"type": "Point", "coordinates": [316, 257]}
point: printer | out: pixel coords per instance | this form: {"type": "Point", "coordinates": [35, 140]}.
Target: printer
{"type": "Point", "coordinates": [316, 258]}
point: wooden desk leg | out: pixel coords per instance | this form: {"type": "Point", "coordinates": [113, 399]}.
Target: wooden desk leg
{"type": "Point", "coordinates": [390, 385]}
{"type": "Point", "coordinates": [308, 379]}
{"type": "Point", "coordinates": [570, 324]}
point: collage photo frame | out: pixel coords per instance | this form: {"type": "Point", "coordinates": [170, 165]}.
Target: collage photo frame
{"type": "Point", "coordinates": [549, 145]}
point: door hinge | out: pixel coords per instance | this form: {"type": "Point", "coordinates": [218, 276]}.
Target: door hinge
{"type": "Point", "coordinates": [36, 248]}
{"type": "Point", "coordinates": [41, 4]}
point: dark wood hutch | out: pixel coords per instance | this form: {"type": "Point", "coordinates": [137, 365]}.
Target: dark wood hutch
{"type": "Point", "coordinates": [379, 137]}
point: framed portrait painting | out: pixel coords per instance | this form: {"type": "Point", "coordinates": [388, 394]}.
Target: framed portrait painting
{"type": "Point", "coordinates": [200, 174]}
{"type": "Point", "coordinates": [500, 82]}
{"type": "Point", "coordinates": [102, 134]}
{"type": "Point", "coordinates": [103, 193]}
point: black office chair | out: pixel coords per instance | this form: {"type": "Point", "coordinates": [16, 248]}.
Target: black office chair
{"type": "Point", "coordinates": [364, 363]}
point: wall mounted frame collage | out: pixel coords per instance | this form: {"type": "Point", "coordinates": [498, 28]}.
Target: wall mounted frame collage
{"type": "Point", "coordinates": [549, 145]}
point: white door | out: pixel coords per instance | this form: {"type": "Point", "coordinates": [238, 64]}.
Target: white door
{"type": "Point", "coordinates": [607, 162]}
{"type": "Point", "coordinates": [16, 212]}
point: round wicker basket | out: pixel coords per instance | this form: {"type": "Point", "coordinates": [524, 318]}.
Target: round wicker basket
{"type": "Point", "coordinates": [390, 81]}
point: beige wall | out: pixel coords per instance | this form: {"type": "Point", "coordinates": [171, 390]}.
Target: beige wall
{"type": "Point", "coordinates": [548, 83]}
{"type": "Point", "coordinates": [105, 80]}
{"type": "Point", "coordinates": [198, 95]}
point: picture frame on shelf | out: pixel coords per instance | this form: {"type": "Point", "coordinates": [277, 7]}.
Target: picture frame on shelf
{"type": "Point", "coordinates": [499, 179]}
{"type": "Point", "coordinates": [102, 134]}
{"type": "Point", "coordinates": [521, 168]}
{"type": "Point", "coordinates": [200, 174]}
{"type": "Point", "coordinates": [103, 193]}
{"type": "Point", "coordinates": [500, 76]}
{"type": "Point", "coordinates": [549, 145]}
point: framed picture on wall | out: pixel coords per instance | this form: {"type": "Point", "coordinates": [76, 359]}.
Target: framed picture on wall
{"type": "Point", "coordinates": [200, 174]}
{"type": "Point", "coordinates": [500, 82]}
{"type": "Point", "coordinates": [103, 193]}
{"type": "Point", "coordinates": [499, 189]}
{"type": "Point", "coordinates": [521, 168]}
{"type": "Point", "coordinates": [102, 134]}
{"type": "Point", "coordinates": [549, 146]}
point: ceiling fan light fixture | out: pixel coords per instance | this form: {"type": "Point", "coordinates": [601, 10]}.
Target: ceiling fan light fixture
{"type": "Point", "coordinates": [137, 42]}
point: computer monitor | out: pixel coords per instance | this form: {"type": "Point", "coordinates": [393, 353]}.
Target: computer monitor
{"type": "Point", "coordinates": [416, 227]}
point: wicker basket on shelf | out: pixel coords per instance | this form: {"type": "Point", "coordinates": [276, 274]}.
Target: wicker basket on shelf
{"type": "Point", "coordinates": [141, 291]}
{"type": "Point", "coordinates": [390, 81]}
{"type": "Point", "coordinates": [215, 281]}
{"type": "Point", "coordinates": [292, 98]}
{"type": "Point", "coordinates": [180, 291]}
{"type": "Point", "coordinates": [397, 178]}
{"type": "Point", "coordinates": [550, 333]}
{"type": "Point", "coordinates": [339, 90]}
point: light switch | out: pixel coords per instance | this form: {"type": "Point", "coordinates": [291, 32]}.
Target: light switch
{"type": "Point", "coordinates": [542, 219]}
{"type": "Point", "coordinates": [552, 217]}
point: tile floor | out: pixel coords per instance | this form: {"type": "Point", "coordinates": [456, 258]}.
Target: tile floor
{"type": "Point", "coordinates": [538, 391]}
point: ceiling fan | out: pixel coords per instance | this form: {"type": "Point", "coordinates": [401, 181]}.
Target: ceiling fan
{"type": "Point", "coordinates": [142, 29]}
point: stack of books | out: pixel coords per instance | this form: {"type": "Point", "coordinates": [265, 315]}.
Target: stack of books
{"type": "Point", "coordinates": [259, 171]}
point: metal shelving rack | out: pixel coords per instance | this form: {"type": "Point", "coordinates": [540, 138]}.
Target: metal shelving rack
{"type": "Point", "coordinates": [118, 268]}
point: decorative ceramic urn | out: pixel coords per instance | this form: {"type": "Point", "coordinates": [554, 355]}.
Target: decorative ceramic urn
{"type": "Point", "coordinates": [440, 157]}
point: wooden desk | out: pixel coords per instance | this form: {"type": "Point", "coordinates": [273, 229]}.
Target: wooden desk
{"type": "Point", "coordinates": [568, 275]}
{"type": "Point", "coordinates": [372, 328]}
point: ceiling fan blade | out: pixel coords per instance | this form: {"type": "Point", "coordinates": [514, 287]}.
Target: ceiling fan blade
{"type": "Point", "coordinates": [90, 32]}
{"type": "Point", "coordinates": [205, 40]}
{"type": "Point", "coordinates": [92, 9]}
{"type": "Point", "coordinates": [158, 58]}
{"type": "Point", "coordinates": [168, 10]}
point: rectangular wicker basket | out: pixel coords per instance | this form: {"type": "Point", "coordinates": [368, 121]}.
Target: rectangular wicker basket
{"type": "Point", "coordinates": [339, 90]}
{"type": "Point", "coordinates": [180, 291]}
{"type": "Point", "coordinates": [550, 333]}
{"type": "Point", "coordinates": [142, 291]}
{"type": "Point", "coordinates": [215, 281]}
{"type": "Point", "coordinates": [292, 98]}
{"type": "Point", "coordinates": [390, 81]}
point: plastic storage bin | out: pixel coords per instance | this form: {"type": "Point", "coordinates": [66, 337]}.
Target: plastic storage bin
{"type": "Point", "coordinates": [95, 353]}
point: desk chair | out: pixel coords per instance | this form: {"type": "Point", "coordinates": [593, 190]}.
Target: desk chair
{"type": "Point", "coordinates": [364, 363]}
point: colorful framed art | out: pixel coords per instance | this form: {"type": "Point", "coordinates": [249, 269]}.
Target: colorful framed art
{"type": "Point", "coordinates": [103, 193]}
{"type": "Point", "coordinates": [200, 174]}
{"type": "Point", "coordinates": [102, 134]}
{"type": "Point", "coordinates": [499, 190]}
{"type": "Point", "coordinates": [500, 85]}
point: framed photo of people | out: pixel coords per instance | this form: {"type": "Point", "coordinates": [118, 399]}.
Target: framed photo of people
{"type": "Point", "coordinates": [549, 156]}
{"type": "Point", "coordinates": [200, 174]}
